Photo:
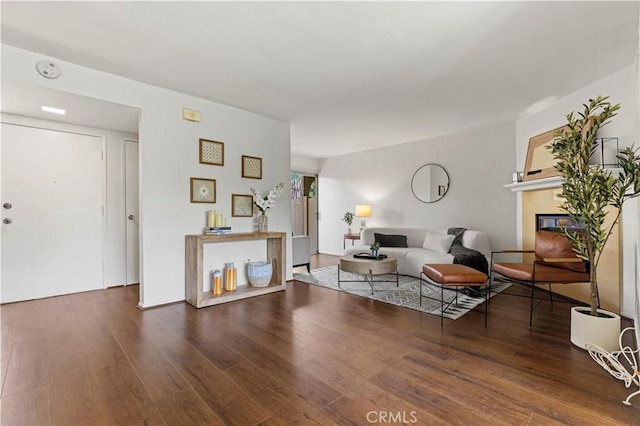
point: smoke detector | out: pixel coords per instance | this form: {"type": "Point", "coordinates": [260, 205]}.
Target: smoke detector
{"type": "Point", "coordinates": [48, 69]}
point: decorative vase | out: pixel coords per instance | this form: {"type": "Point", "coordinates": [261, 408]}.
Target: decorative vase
{"type": "Point", "coordinates": [216, 283]}
{"type": "Point", "coordinates": [230, 277]}
{"type": "Point", "coordinates": [602, 330]}
{"type": "Point", "coordinates": [263, 223]}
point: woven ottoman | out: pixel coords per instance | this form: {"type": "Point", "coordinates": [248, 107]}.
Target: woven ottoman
{"type": "Point", "coordinates": [454, 277]}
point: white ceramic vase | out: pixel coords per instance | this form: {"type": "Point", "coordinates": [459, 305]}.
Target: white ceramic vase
{"type": "Point", "coordinates": [603, 331]}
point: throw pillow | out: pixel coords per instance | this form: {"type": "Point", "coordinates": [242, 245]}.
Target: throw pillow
{"type": "Point", "coordinates": [438, 242]}
{"type": "Point", "coordinates": [390, 240]}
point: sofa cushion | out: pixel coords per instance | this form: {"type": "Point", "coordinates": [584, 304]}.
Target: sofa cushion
{"type": "Point", "coordinates": [391, 240]}
{"type": "Point", "coordinates": [437, 242]}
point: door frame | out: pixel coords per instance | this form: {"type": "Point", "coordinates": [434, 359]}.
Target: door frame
{"type": "Point", "coordinates": [124, 209]}
{"type": "Point", "coordinates": [316, 219]}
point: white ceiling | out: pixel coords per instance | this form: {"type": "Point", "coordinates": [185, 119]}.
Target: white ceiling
{"type": "Point", "coordinates": [348, 76]}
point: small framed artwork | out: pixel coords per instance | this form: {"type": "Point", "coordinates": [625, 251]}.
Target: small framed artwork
{"type": "Point", "coordinates": [211, 152]}
{"type": "Point", "coordinates": [203, 190]}
{"type": "Point", "coordinates": [251, 167]}
{"type": "Point", "coordinates": [241, 205]}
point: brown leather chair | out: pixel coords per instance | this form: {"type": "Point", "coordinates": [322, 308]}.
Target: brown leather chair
{"type": "Point", "coordinates": [555, 263]}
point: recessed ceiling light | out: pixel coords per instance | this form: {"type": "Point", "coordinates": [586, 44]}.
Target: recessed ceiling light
{"type": "Point", "coordinates": [53, 110]}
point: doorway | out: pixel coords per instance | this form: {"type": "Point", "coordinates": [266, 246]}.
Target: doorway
{"type": "Point", "coordinates": [113, 124]}
{"type": "Point", "coordinates": [304, 207]}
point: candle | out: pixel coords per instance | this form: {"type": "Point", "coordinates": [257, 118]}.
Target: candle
{"type": "Point", "coordinates": [218, 219]}
{"type": "Point", "coordinates": [210, 218]}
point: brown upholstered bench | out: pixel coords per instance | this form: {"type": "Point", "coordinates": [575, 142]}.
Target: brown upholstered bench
{"type": "Point", "coordinates": [454, 276]}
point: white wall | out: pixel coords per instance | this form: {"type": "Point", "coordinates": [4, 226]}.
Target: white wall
{"type": "Point", "coordinates": [478, 161]}
{"type": "Point", "coordinates": [304, 164]}
{"type": "Point", "coordinates": [621, 87]}
{"type": "Point", "coordinates": [169, 157]}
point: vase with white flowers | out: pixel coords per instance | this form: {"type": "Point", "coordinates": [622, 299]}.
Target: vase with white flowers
{"type": "Point", "coordinates": [264, 203]}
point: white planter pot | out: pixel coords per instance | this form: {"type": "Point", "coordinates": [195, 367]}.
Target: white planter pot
{"type": "Point", "coordinates": [601, 331]}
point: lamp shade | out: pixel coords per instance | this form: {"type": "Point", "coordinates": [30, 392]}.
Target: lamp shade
{"type": "Point", "coordinates": [363, 210]}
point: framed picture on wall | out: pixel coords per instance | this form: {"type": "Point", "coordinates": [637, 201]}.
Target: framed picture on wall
{"type": "Point", "coordinates": [203, 190]}
{"type": "Point", "coordinates": [251, 167]}
{"type": "Point", "coordinates": [211, 152]}
{"type": "Point", "coordinates": [241, 205]}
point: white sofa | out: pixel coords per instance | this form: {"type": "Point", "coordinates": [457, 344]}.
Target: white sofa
{"type": "Point", "coordinates": [411, 258]}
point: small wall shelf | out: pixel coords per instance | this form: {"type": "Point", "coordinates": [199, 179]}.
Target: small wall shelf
{"type": "Point", "coordinates": [194, 274]}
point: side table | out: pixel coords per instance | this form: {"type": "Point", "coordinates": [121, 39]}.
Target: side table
{"type": "Point", "coordinates": [352, 237]}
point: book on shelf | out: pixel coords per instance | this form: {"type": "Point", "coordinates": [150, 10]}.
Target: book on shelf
{"type": "Point", "coordinates": [218, 228]}
{"type": "Point", "coordinates": [217, 231]}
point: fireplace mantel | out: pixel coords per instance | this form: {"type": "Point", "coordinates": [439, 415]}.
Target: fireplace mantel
{"type": "Point", "coordinates": [545, 183]}
{"type": "Point", "coordinates": [534, 185]}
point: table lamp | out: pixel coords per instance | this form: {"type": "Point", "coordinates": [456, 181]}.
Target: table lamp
{"type": "Point", "coordinates": [363, 210]}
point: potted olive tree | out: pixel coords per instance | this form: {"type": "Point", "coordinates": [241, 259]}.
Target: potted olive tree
{"type": "Point", "coordinates": [588, 192]}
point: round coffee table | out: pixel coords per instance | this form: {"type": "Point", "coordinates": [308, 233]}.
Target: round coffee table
{"type": "Point", "coordinates": [368, 268]}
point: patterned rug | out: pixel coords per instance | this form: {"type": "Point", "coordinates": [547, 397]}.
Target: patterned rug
{"type": "Point", "coordinates": [407, 294]}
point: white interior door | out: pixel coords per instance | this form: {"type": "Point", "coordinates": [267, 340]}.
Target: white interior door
{"type": "Point", "coordinates": [54, 182]}
{"type": "Point", "coordinates": [131, 209]}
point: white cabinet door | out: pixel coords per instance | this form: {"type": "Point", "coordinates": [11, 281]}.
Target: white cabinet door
{"type": "Point", "coordinates": [55, 184]}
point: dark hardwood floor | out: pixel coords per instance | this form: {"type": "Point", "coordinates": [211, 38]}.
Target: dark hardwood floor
{"type": "Point", "coordinates": [305, 356]}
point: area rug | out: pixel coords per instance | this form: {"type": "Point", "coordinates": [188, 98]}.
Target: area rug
{"type": "Point", "coordinates": [407, 294]}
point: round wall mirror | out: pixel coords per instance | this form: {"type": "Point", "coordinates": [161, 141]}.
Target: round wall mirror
{"type": "Point", "coordinates": [430, 183]}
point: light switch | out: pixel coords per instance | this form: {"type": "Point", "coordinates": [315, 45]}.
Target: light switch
{"type": "Point", "coordinates": [191, 115]}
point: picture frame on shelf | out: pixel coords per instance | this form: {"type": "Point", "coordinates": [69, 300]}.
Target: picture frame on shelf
{"type": "Point", "coordinates": [241, 205]}
{"type": "Point", "coordinates": [540, 163]}
{"type": "Point", "coordinates": [203, 190]}
{"type": "Point", "coordinates": [211, 152]}
{"type": "Point", "coordinates": [251, 167]}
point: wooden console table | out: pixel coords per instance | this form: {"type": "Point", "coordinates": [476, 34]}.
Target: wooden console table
{"type": "Point", "coordinates": [194, 274]}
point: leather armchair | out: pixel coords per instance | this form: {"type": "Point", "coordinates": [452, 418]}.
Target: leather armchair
{"type": "Point", "coordinates": [555, 262]}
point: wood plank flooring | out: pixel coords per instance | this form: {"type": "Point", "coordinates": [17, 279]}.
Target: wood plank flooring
{"type": "Point", "coordinates": [307, 356]}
